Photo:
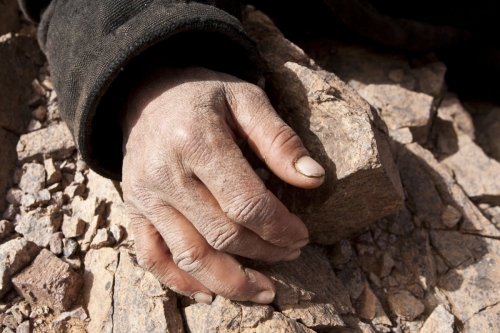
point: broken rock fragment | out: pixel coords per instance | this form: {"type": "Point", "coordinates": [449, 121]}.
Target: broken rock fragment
{"type": "Point", "coordinates": [487, 320]}
{"type": "Point", "coordinates": [54, 141]}
{"type": "Point", "coordinates": [6, 228]}
{"type": "Point", "coordinates": [440, 321]}
{"type": "Point", "coordinates": [103, 238]}
{"type": "Point", "coordinates": [33, 179]}
{"type": "Point", "coordinates": [48, 281]}
{"type": "Point", "coordinates": [39, 225]}
{"type": "Point", "coordinates": [405, 305]}
{"type": "Point", "coordinates": [73, 227]}
{"type": "Point", "coordinates": [14, 256]}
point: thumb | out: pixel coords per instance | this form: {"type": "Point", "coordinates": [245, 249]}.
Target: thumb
{"type": "Point", "coordinates": [273, 140]}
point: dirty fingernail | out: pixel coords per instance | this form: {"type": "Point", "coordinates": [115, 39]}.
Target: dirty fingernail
{"type": "Point", "coordinates": [264, 297]}
{"type": "Point", "coordinates": [202, 297]}
{"type": "Point", "coordinates": [309, 167]}
{"type": "Point", "coordinates": [300, 243]}
{"type": "Point", "coordinates": [293, 255]}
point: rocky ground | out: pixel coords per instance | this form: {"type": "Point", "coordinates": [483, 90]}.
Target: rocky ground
{"type": "Point", "coordinates": [423, 256]}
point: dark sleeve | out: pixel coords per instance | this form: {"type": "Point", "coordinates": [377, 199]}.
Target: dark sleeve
{"type": "Point", "coordinates": [97, 49]}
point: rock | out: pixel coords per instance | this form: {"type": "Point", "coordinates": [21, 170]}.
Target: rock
{"type": "Point", "coordinates": [101, 188]}
{"type": "Point", "coordinates": [475, 172]}
{"type": "Point", "coordinates": [307, 289]}
{"type": "Point", "coordinates": [87, 209]}
{"type": "Point", "coordinates": [451, 247]}
{"type": "Point", "coordinates": [73, 227]}
{"type": "Point", "coordinates": [53, 173]}
{"type": "Point", "coordinates": [353, 280]}
{"type": "Point", "coordinates": [79, 178]}
{"type": "Point", "coordinates": [54, 142]}
{"type": "Point", "coordinates": [14, 196]}
{"type": "Point", "coordinates": [73, 190]}
{"type": "Point", "coordinates": [401, 108]}
{"type": "Point", "coordinates": [31, 200]}
{"type": "Point", "coordinates": [48, 281]}
{"type": "Point", "coordinates": [33, 179]}
{"type": "Point", "coordinates": [90, 233]}
{"type": "Point", "coordinates": [75, 263]}
{"type": "Point", "coordinates": [98, 277]}
{"type": "Point", "coordinates": [440, 321]}
{"type": "Point", "coordinates": [103, 238]}
{"type": "Point", "coordinates": [10, 213]}
{"type": "Point", "coordinates": [10, 322]}
{"type": "Point", "coordinates": [117, 232]}
{"type": "Point", "coordinates": [39, 113]}
{"type": "Point", "coordinates": [450, 216]}
{"type": "Point", "coordinates": [6, 228]}
{"type": "Point", "coordinates": [369, 307]}
{"type": "Point", "coordinates": [480, 246]}
{"type": "Point", "coordinates": [7, 330]}
{"type": "Point", "coordinates": [419, 260]}
{"type": "Point", "coordinates": [14, 256]}
{"type": "Point", "coordinates": [356, 157]}
{"type": "Point", "coordinates": [405, 305]}
{"type": "Point", "coordinates": [34, 125]}
{"type": "Point", "coordinates": [56, 244]}
{"type": "Point", "coordinates": [81, 166]}
{"type": "Point", "coordinates": [24, 327]}
{"type": "Point", "coordinates": [39, 225]}
{"type": "Point", "coordinates": [78, 313]}
{"type": "Point", "coordinates": [471, 288]}
{"type": "Point", "coordinates": [70, 247]}
{"type": "Point", "coordinates": [140, 301]}
{"type": "Point", "coordinates": [451, 193]}
{"type": "Point", "coordinates": [487, 320]}
{"type": "Point", "coordinates": [225, 316]}
{"type": "Point", "coordinates": [341, 254]}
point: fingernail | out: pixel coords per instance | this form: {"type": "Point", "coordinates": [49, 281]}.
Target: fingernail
{"type": "Point", "coordinates": [300, 243]}
{"type": "Point", "coordinates": [292, 256]}
{"type": "Point", "coordinates": [202, 297]}
{"type": "Point", "coordinates": [309, 167]}
{"type": "Point", "coordinates": [264, 297]}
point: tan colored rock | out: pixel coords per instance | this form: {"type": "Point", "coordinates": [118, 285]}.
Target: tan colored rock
{"type": "Point", "coordinates": [73, 227]}
{"type": "Point", "coordinates": [471, 288]}
{"type": "Point", "coordinates": [56, 244]}
{"type": "Point", "coordinates": [6, 228]}
{"type": "Point", "coordinates": [48, 281]}
{"type": "Point", "coordinates": [405, 305]}
{"type": "Point", "coordinates": [31, 200]}
{"type": "Point", "coordinates": [87, 209]}
{"type": "Point", "coordinates": [451, 247]}
{"type": "Point", "coordinates": [74, 190]}
{"type": "Point", "coordinates": [54, 142]}
{"type": "Point", "coordinates": [39, 225]}
{"type": "Point", "coordinates": [419, 260]}
{"type": "Point", "coordinates": [475, 172]}
{"type": "Point", "coordinates": [14, 196]}
{"type": "Point", "coordinates": [487, 320]}
{"type": "Point", "coordinates": [14, 256]}
{"type": "Point", "coordinates": [33, 179]}
{"type": "Point", "coordinates": [440, 321]}
{"type": "Point", "coordinates": [100, 269]}
{"type": "Point", "coordinates": [39, 113]}
{"type": "Point", "coordinates": [140, 302]}
{"type": "Point", "coordinates": [10, 213]}
{"type": "Point", "coordinates": [25, 327]}
{"type": "Point", "coordinates": [451, 193]}
{"type": "Point", "coordinates": [369, 307]}
{"type": "Point", "coordinates": [53, 173]}
{"type": "Point", "coordinates": [450, 216]}
{"type": "Point", "coordinates": [90, 232]}
{"type": "Point", "coordinates": [356, 157]}
{"type": "Point", "coordinates": [103, 238]}
{"type": "Point", "coordinates": [353, 279]}
{"type": "Point", "coordinates": [78, 313]}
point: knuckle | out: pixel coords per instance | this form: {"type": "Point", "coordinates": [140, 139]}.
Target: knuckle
{"type": "Point", "coordinates": [222, 239]}
{"type": "Point", "coordinates": [191, 258]}
{"type": "Point", "coordinates": [255, 208]}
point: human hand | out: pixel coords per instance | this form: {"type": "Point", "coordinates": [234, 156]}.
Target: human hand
{"type": "Point", "coordinates": [193, 198]}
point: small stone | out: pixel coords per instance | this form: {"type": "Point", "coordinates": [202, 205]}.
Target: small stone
{"type": "Point", "coordinates": [79, 178]}
{"type": "Point", "coordinates": [8, 330]}
{"type": "Point", "coordinates": [31, 200]}
{"type": "Point", "coordinates": [117, 232]}
{"type": "Point", "coordinates": [39, 113]}
{"type": "Point", "coordinates": [56, 244]}
{"type": "Point", "coordinates": [10, 322]}
{"type": "Point", "coordinates": [14, 256]}
{"type": "Point", "coordinates": [396, 75]}
{"type": "Point", "coordinates": [48, 84]}
{"type": "Point", "coordinates": [450, 216]}
{"type": "Point", "coordinates": [81, 166]}
{"type": "Point", "coordinates": [53, 173]}
{"type": "Point", "coordinates": [55, 188]}
{"type": "Point", "coordinates": [103, 238]}
{"type": "Point", "coordinates": [6, 228]}
{"type": "Point", "coordinates": [10, 213]}
{"type": "Point", "coordinates": [70, 247]}
{"type": "Point", "coordinates": [14, 196]}
{"type": "Point", "coordinates": [387, 265]}
{"type": "Point", "coordinates": [73, 227]}
{"type": "Point", "coordinates": [34, 125]}
{"type": "Point", "coordinates": [25, 327]}
{"type": "Point", "coordinates": [48, 281]}
{"type": "Point", "coordinates": [39, 89]}
{"type": "Point", "coordinates": [369, 307]}
{"type": "Point", "coordinates": [75, 263]}
{"type": "Point", "coordinates": [74, 190]}
{"type": "Point", "coordinates": [78, 313]}
{"type": "Point", "coordinates": [33, 179]}
{"type": "Point", "coordinates": [419, 260]}
{"type": "Point", "coordinates": [91, 231]}
{"type": "Point", "coordinates": [57, 199]}
{"type": "Point", "coordinates": [39, 225]}
{"type": "Point", "coordinates": [54, 141]}
{"type": "Point", "coordinates": [440, 321]}
{"type": "Point", "coordinates": [405, 305]}
{"type": "Point", "coordinates": [342, 253]}
{"type": "Point", "coordinates": [451, 247]}
{"type": "Point", "coordinates": [471, 288]}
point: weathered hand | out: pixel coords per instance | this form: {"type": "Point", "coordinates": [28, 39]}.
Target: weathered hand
{"type": "Point", "coordinates": [191, 195]}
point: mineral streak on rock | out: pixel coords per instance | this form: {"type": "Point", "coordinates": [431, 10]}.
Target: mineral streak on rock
{"type": "Point", "coordinates": [48, 281]}
{"type": "Point", "coordinates": [337, 127]}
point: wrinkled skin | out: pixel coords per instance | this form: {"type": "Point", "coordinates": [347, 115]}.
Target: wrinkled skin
{"type": "Point", "coordinates": [193, 199]}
